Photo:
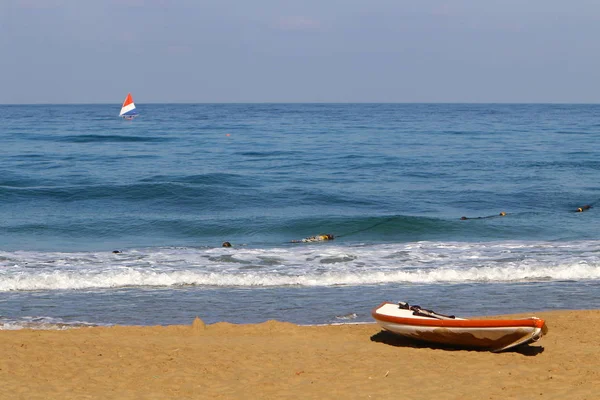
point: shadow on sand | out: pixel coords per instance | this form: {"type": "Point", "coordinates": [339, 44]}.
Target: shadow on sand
{"type": "Point", "coordinates": [400, 341]}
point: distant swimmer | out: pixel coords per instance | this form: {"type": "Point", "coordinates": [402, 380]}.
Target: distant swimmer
{"type": "Point", "coordinates": [318, 238]}
{"type": "Point", "coordinates": [116, 252]}
{"type": "Point", "coordinates": [226, 244]}
{"type": "Point", "coordinates": [583, 208]}
{"type": "Point", "coordinates": [502, 214]}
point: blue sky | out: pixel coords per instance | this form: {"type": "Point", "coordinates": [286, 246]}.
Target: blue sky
{"type": "Point", "coordinates": [213, 51]}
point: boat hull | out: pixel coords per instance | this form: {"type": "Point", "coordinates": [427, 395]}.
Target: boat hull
{"type": "Point", "coordinates": [487, 334]}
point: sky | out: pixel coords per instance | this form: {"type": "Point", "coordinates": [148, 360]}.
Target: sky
{"type": "Point", "coordinates": [241, 51]}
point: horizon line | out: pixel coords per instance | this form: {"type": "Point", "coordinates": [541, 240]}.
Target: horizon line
{"type": "Point", "coordinates": [314, 102]}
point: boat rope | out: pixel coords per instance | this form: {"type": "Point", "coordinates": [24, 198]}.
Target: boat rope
{"type": "Point", "coordinates": [422, 312]}
{"type": "Point", "coordinates": [367, 228]}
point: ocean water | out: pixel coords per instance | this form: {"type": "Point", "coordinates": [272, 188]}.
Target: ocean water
{"type": "Point", "coordinates": [390, 181]}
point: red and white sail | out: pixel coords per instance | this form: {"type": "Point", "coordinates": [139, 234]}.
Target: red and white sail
{"type": "Point", "coordinates": [128, 108]}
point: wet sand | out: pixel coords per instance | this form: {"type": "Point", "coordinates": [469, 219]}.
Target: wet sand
{"type": "Point", "coordinates": [276, 360]}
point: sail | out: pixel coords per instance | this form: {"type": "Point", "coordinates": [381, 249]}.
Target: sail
{"type": "Point", "coordinates": [128, 109]}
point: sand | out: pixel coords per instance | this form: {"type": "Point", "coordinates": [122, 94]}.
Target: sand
{"type": "Point", "coordinates": [277, 360]}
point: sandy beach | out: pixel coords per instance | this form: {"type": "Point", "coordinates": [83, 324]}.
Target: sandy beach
{"type": "Point", "coordinates": [277, 360]}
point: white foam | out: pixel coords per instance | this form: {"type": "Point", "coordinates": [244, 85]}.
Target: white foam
{"type": "Point", "coordinates": [317, 265]}
{"type": "Point", "coordinates": [40, 323]}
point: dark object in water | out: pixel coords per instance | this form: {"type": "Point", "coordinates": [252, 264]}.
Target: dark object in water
{"type": "Point", "coordinates": [502, 214]}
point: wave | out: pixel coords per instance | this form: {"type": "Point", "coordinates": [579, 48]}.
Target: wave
{"type": "Point", "coordinates": [17, 187]}
{"type": "Point", "coordinates": [225, 179]}
{"type": "Point", "coordinates": [196, 222]}
{"type": "Point", "coordinates": [63, 280]}
{"type": "Point", "coordinates": [112, 139]}
{"type": "Point", "coordinates": [307, 266]}
{"type": "Point", "coordinates": [129, 192]}
{"type": "Point", "coordinates": [41, 323]}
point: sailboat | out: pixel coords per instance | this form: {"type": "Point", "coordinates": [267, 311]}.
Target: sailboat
{"type": "Point", "coordinates": [128, 109]}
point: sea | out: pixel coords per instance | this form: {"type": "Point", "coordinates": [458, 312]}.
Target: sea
{"type": "Point", "coordinates": [105, 221]}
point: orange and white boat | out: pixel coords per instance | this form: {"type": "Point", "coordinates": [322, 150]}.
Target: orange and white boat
{"type": "Point", "coordinates": [488, 334]}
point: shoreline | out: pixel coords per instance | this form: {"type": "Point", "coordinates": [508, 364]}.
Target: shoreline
{"type": "Point", "coordinates": [274, 360]}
